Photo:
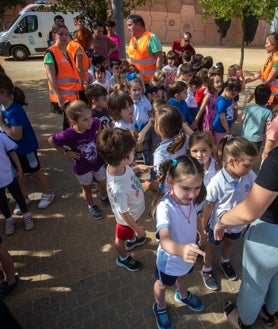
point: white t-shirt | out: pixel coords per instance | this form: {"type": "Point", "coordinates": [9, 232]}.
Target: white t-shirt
{"type": "Point", "coordinates": [124, 124]}
{"type": "Point", "coordinates": [7, 171]}
{"type": "Point", "coordinates": [169, 215]}
{"type": "Point", "coordinates": [125, 195]}
{"type": "Point", "coordinates": [226, 192]}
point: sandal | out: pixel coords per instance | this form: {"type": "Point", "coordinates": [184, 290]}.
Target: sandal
{"type": "Point", "coordinates": [231, 312]}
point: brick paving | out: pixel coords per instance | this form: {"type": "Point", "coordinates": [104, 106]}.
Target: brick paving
{"type": "Point", "coordinates": [67, 263]}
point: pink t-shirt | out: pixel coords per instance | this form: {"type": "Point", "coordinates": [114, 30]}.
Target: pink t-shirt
{"type": "Point", "coordinates": [115, 38]}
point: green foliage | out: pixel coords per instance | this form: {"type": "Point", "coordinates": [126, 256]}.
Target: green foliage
{"type": "Point", "coordinates": [250, 26]}
{"type": "Point", "coordinates": [223, 26]}
{"type": "Point", "coordinates": [7, 4]}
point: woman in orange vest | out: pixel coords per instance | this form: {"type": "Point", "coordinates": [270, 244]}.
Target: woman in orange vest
{"type": "Point", "coordinates": [63, 78]}
{"type": "Point", "coordinates": [269, 70]}
{"type": "Point", "coordinates": [77, 48]}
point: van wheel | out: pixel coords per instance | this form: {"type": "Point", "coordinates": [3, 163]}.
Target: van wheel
{"type": "Point", "coordinates": [20, 53]}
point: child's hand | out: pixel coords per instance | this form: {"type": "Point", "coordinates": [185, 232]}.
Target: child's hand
{"type": "Point", "coordinates": [140, 232]}
{"type": "Point", "coordinates": [191, 252]}
{"type": "Point", "coordinates": [142, 168]}
{"type": "Point", "coordinates": [73, 155]}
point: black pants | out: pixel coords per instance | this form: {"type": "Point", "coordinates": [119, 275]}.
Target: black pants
{"type": "Point", "coordinates": [15, 191]}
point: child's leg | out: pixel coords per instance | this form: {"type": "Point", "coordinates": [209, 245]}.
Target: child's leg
{"type": "Point", "coordinates": [7, 264]}
{"type": "Point", "coordinates": [181, 284]}
{"type": "Point", "coordinates": [209, 250]}
{"type": "Point", "coordinates": [100, 177]}
{"type": "Point", "coordinates": [159, 291]}
{"type": "Point", "coordinates": [102, 188]}
{"type": "Point", "coordinates": [4, 206]}
{"type": "Point", "coordinates": [16, 192]}
{"type": "Point", "coordinates": [41, 177]}
{"type": "Point", "coordinates": [120, 247]}
{"type": "Point", "coordinates": [87, 194]}
{"type": "Point", "coordinates": [227, 248]}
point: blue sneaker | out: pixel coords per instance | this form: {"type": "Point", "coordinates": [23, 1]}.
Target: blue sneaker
{"type": "Point", "coordinates": [95, 212]}
{"type": "Point", "coordinates": [191, 301]}
{"type": "Point", "coordinates": [162, 318]}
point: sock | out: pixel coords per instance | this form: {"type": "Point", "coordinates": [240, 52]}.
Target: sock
{"type": "Point", "coordinates": [183, 297]}
{"type": "Point", "coordinates": [206, 269]}
{"type": "Point", "coordinates": [90, 206]}
{"type": "Point", "coordinates": [223, 260]}
{"type": "Point", "coordinates": [123, 258]}
{"type": "Point", "coordinates": [132, 240]}
{"type": "Point", "coordinates": [159, 307]}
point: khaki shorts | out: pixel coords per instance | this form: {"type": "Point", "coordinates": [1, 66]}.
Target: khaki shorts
{"type": "Point", "coordinates": [86, 179]}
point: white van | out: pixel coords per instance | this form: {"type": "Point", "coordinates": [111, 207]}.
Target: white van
{"type": "Point", "coordinates": [29, 32]}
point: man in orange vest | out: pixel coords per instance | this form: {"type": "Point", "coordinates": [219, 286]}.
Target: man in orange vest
{"type": "Point", "coordinates": [145, 49]}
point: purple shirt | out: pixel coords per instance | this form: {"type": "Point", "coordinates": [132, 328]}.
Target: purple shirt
{"type": "Point", "coordinates": [84, 144]}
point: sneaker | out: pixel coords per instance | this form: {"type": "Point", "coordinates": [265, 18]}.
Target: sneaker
{"type": "Point", "coordinates": [267, 318]}
{"type": "Point", "coordinates": [104, 201]}
{"type": "Point", "coordinates": [209, 280]}
{"type": "Point", "coordinates": [46, 199]}
{"type": "Point", "coordinates": [7, 290]}
{"type": "Point", "coordinates": [191, 301]}
{"type": "Point", "coordinates": [131, 245]}
{"type": "Point", "coordinates": [162, 319]}
{"type": "Point", "coordinates": [95, 212]}
{"type": "Point", "coordinates": [94, 186]}
{"type": "Point", "coordinates": [17, 210]}
{"type": "Point", "coordinates": [10, 226]}
{"type": "Point", "coordinates": [28, 223]}
{"type": "Point", "coordinates": [130, 264]}
{"type": "Point", "coordinates": [229, 271]}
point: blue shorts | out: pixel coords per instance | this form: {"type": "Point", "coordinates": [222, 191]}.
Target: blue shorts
{"type": "Point", "coordinates": [232, 236]}
{"type": "Point", "coordinates": [166, 279]}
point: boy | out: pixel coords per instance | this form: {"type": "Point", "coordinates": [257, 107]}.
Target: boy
{"type": "Point", "coordinates": [126, 196]}
{"type": "Point", "coordinates": [186, 72]}
{"type": "Point", "coordinates": [256, 116]}
{"type": "Point", "coordinates": [115, 67]}
{"type": "Point", "coordinates": [194, 84]}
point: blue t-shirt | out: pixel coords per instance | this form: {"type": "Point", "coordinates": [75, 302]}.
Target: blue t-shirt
{"type": "Point", "coordinates": [15, 116]}
{"type": "Point", "coordinates": [223, 105]}
{"type": "Point", "coordinates": [183, 108]}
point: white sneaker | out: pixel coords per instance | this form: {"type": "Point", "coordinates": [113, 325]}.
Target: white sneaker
{"type": "Point", "coordinates": [46, 199]}
{"type": "Point", "coordinates": [17, 210]}
{"type": "Point", "coordinates": [28, 222]}
{"type": "Point", "coordinates": [10, 226]}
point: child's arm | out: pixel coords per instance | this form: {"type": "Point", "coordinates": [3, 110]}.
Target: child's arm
{"type": "Point", "coordinates": [16, 161]}
{"type": "Point", "coordinates": [69, 153]}
{"type": "Point", "coordinates": [139, 230]}
{"type": "Point", "coordinates": [187, 128]}
{"type": "Point", "coordinates": [189, 252]}
{"type": "Point", "coordinates": [200, 112]}
{"type": "Point", "coordinates": [142, 133]}
{"type": "Point", "coordinates": [224, 123]}
{"type": "Point", "coordinates": [15, 132]}
{"type": "Point", "coordinates": [206, 215]}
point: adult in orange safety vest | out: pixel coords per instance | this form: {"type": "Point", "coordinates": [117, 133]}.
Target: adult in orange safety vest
{"type": "Point", "coordinates": [145, 49]}
{"type": "Point", "coordinates": [269, 70]}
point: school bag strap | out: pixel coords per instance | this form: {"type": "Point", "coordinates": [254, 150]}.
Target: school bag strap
{"type": "Point", "coordinates": [54, 59]}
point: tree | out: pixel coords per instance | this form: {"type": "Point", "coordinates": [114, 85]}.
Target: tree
{"type": "Point", "coordinates": [223, 27]}
{"type": "Point", "coordinates": [8, 4]}
{"type": "Point", "coordinates": [250, 25]}
{"type": "Point", "coordinates": [241, 10]}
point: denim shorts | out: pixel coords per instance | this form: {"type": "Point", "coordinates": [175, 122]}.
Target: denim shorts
{"type": "Point", "coordinates": [232, 236]}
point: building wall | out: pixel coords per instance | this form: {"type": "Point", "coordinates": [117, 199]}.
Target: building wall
{"type": "Point", "coordinates": [168, 19]}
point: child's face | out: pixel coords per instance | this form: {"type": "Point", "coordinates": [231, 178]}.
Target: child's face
{"type": "Point", "coordinates": [127, 113]}
{"type": "Point", "coordinates": [115, 70]}
{"type": "Point", "coordinates": [186, 76]}
{"type": "Point", "coordinates": [171, 62]}
{"type": "Point", "coordinates": [182, 95]}
{"type": "Point", "coordinates": [218, 83]}
{"type": "Point", "coordinates": [84, 122]}
{"type": "Point", "coordinates": [136, 91]}
{"type": "Point", "coordinates": [101, 102]}
{"type": "Point", "coordinates": [230, 94]}
{"type": "Point", "coordinates": [239, 168]}
{"type": "Point", "coordinates": [187, 189]}
{"type": "Point", "coordinates": [100, 76]}
{"type": "Point", "coordinates": [202, 152]}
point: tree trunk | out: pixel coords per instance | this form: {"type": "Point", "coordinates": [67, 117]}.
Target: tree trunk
{"type": "Point", "coordinates": [117, 6]}
{"type": "Point", "coordinates": [242, 50]}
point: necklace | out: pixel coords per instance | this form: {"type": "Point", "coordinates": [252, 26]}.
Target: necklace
{"type": "Point", "coordinates": [189, 213]}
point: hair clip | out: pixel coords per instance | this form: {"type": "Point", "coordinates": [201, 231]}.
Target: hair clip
{"type": "Point", "coordinates": [174, 162]}
{"type": "Point", "coordinates": [161, 186]}
{"type": "Point", "coordinates": [229, 137]}
{"type": "Point", "coordinates": [130, 76]}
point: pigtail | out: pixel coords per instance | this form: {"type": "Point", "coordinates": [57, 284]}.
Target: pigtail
{"type": "Point", "coordinates": [220, 151]}
{"type": "Point", "coordinates": [178, 142]}
{"type": "Point", "coordinates": [19, 96]}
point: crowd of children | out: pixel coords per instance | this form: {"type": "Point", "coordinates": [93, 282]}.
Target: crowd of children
{"type": "Point", "coordinates": [182, 124]}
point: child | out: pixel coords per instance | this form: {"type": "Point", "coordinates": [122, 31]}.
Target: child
{"type": "Point", "coordinates": [226, 189]}
{"type": "Point", "coordinates": [156, 88]}
{"type": "Point", "coordinates": [186, 72]}
{"type": "Point", "coordinates": [100, 76]}
{"type": "Point", "coordinates": [171, 69]}
{"type": "Point", "coordinates": [193, 85]}
{"type": "Point", "coordinates": [177, 93]}
{"type": "Point", "coordinates": [79, 144]}
{"type": "Point", "coordinates": [15, 123]}
{"type": "Point", "coordinates": [97, 97]}
{"type": "Point", "coordinates": [125, 193]}
{"type": "Point", "coordinates": [176, 226]}
{"type": "Point", "coordinates": [200, 93]}
{"type": "Point", "coordinates": [257, 116]}
{"type": "Point", "coordinates": [115, 68]}
{"type": "Point", "coordinates": [9, 181]}
{"type": "Point", "coordinates": [207, 111]}
{"type": "Point", "coordinates": [224, 119]}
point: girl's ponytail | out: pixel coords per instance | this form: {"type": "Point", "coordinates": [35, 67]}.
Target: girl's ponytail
{"type": "Point", "coordinates": [16, 92]}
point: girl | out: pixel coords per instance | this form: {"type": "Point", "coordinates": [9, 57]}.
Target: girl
{"type": "Point", "coordinates": [207, 111]}
{"type": "Point", "coordinates": [9, 181]}
{"type": "Point", "coordinates": [79, 144]}
{"type": "Point", "coordinates": [223, 121]}
{"type": "Point", "coordinates": [156, 88]}
{"type": "Point", "coordinates": [176, 226]}
{"type": "Point", "coordinates": [235, 72]}
{"type": "Point", "coordinates": [171, 69]}
{"type": "Point", "coordinates": [100, 77]}
{"type": "Point", "coordinates": [226, 189]}
{"type": "Point", "coordinates": [15, 123]}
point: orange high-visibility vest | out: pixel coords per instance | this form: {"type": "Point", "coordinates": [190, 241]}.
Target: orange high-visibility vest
{"type": "Point", "coordinates": [139, 56]}
{"type": "Point", "coordinates": [266, 68]}
{"type": "Point", "coordinates": [66, 75]}
{"type": "Point", "coordinates": [72, 48]}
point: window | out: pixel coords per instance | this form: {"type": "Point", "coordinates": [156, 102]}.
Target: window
{"type": "Point", "coordinates": [28, 24]}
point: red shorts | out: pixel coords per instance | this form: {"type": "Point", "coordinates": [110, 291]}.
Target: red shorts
{"type": "Point", "coordinates": [124, 232]}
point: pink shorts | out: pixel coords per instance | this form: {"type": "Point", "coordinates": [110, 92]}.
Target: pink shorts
{"type": "Point", "coordinates": [124, 232]}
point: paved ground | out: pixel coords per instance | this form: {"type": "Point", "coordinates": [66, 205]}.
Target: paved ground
{"type": "Point", "coordinates": [67, 263]}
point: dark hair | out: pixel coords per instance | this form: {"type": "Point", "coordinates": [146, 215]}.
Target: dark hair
{"type": "Point", "coordinates": [203, 74]}
{"type": "Point", "coordinates": [114, 62]}
{"type": "Point", "coordinates": [232, 85]}
{"type": "Point", "coordinates": [207, 62]}
{"type": "Point", "coordinates": [58, 17]}
{"type": "Point", "coordinates": [110, 23]}
{"type": "Point", "coordinates": [172, 55]}
{"type": "Point", "coordinates": [74, 109]}
{"type": "Point", "coordinates": [235, 147]}
{"type": "Point", "coordinates": [97, 59]}
{"type": "Point", "coordinates": [186, 55]}
{"type": "Point", "coordinates": [137, 19]}
{"type": "Point", "coordinates": [7, 84]}
{"type": "Point", "coordinates": [195, 81]}
{"type": "Point", "coordinates": [186, 68]}
{"type": "Point", "coordinates": [93, 92]}
{"type": "Point", "coordinates": [176, 170]}
{"type": "Point", "coordinates": [98, 24]}
{"type": "Point", "coordinates": [217, 68]}
{"type": "Point", "coordinates": [115, 144]}
{"type": "Point", "coordinates": [56, 27]}
{"type": "Point", "coordinates": [99, 69]}
{"type": "Point", "coordinates": [176, 88]}
{"type": "Point", "coordinates": [211, 79]}
{"type": "Point", "coordinates": [80, 17]}
{"type": "Point", "coordinates": [117, 101]}
{"type": "Point", "coordinates": [262, 94]}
